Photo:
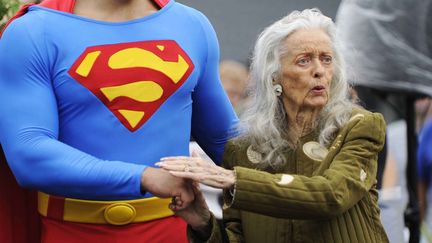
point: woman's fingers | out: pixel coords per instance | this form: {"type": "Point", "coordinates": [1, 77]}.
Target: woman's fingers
{"type": "Point", "coordinates": [187, 175]}
{"type": "Point", "coordinates": [184, 168]}
{"type": "Point", "coordinates": [196, 165]}
{"type": "Point", "coordinates": [218, 181]}
{"type": "Point", "coordinates": [173, 167]}
{"type": "Point", "coordinates": [181, 158]}
{"type": "Point", "coordinates": [176, 158]}
{"type": "Point", "coordinates": [196, 169]}
{"type": "Point", "coordinates": [190, 162]}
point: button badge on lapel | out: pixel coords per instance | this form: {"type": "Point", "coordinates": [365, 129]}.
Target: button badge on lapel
{"type": "Point", "coordinates": [315, 151]}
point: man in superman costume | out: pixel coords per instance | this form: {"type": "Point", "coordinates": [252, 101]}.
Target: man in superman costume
{"type": "Point", "coordinates": [93, 93]}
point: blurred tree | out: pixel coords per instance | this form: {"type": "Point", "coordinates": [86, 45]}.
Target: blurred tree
{"type": "Point", "coordinates": [7, 9]}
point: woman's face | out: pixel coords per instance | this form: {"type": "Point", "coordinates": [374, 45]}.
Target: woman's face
{"type": "Point", "coordinates": [307, 69]}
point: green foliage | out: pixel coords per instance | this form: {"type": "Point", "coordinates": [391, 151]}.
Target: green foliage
{"type": "Point", "coordinates": [7, 9]}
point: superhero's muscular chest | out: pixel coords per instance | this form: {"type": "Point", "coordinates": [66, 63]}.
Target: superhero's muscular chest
{"type": "Point", "coordinates": [133, 79]}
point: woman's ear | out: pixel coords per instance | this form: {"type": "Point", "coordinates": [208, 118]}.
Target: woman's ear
{"type": "Point", "coordinates": [275, 79]}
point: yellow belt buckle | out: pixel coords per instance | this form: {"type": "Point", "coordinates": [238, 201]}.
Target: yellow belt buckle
{"type": "Point", "coordinates": [120, 213]}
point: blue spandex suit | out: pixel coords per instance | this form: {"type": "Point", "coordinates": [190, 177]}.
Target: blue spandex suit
{"type": "Point", "coordinates": [87, 105]}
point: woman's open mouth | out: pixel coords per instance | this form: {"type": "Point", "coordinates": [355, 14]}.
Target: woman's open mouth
{"type": "Point", "coordinates": [319, 89]}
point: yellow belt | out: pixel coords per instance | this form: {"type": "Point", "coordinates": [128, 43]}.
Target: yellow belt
{"type": "Point", "coordinates": [107, 212]}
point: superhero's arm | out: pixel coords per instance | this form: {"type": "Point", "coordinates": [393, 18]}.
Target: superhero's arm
{"type": "Point", "coordinates": [213, 117]}
{"type": "Point", "coordinates": [29, 127]}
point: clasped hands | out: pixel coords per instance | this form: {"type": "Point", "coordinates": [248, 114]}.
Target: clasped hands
{"type": "Point", "coordinates": [194, 170]}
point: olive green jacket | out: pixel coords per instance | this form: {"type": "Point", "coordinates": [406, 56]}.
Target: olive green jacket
{"type": "Point", "coordinates": [319, 196]}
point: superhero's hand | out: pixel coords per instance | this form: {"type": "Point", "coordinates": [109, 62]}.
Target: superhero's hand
{"type": "Point", "coordinates": [197, 215]}
{"type": "Point", "coordinates": [162, 184]}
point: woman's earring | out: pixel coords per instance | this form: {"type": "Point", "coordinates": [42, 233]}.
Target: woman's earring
{"type": "Point", "coordinates": [277, 89]}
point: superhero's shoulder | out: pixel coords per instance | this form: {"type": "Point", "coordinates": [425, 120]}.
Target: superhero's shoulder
{"type": "Point", "coordinates": [28, 25]}
{"type": "Point", "coordinates": [60, 5]}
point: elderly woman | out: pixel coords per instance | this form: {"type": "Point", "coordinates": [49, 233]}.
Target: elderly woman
{"type": "Point", "coordinates": [303, 168]}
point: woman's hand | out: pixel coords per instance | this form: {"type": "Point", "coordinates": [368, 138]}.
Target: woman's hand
{"type": "Point", "coordinates": [199, 170]}
{"type": "Point", "coordinates": [197, 214]}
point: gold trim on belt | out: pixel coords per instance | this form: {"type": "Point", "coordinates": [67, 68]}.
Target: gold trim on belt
{"type": "Point", "coordinates": [109, 212]}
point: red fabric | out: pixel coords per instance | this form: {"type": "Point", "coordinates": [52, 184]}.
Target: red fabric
{"type": "Point", "coordinates": [19, 219]}
{"type": "Point", "coordinates": [161, 3]}
{"type": "Point", "coordinates": [56, 207]}
{"type": "Point", "coordinates": [61, 5]}
{"type": "Point", "coordinates": [166, 230]}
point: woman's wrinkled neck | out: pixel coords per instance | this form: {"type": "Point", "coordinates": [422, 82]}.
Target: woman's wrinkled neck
{"type": "Point", "coordinates": [301, 121]}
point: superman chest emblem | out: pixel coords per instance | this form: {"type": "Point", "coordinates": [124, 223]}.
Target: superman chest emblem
{"type": "Point", "coordinates": [133, 79]}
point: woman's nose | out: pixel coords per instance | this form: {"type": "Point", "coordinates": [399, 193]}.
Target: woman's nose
{"type": "Point", "coordinates": [318, 70]}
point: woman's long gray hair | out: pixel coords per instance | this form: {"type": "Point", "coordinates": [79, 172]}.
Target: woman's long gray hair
{"type": "Point", "coordinates": [264, 122]}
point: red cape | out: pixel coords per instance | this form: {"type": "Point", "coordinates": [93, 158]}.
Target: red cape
{"type": "Point", "coordinates": [19, 220]}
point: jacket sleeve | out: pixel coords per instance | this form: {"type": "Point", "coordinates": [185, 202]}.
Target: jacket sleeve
{"type": "Point", "coordinates": [231, 228]}
{"type": "Point", "coordinates": [347, 174]}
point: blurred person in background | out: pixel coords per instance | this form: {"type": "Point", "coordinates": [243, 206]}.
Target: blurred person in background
{"type": "Point", "coordinates": [234, 77]}
{"type": "Point", "coordinates": [393, 194]}
{"type": "Point", "coordinates": [388, 47]}
{"type": "Point", "coordinates": [424, 157]}
{"type": "Point", "coordinates": [303, 168]}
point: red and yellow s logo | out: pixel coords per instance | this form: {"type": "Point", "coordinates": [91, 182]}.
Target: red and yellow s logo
{"type": "Point", "coordinates": [133, 79]}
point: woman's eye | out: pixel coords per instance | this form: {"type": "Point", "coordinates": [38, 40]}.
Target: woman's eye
{"type": "Point", "coordinates": [327, 59]}
{"type": "Point", "coordinates": [303, 61]}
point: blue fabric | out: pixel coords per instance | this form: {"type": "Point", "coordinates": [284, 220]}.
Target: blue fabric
{"type": "Point", "coordinates": [424, 153]}
{"type": "Point", "coordinates": [60, 138]}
